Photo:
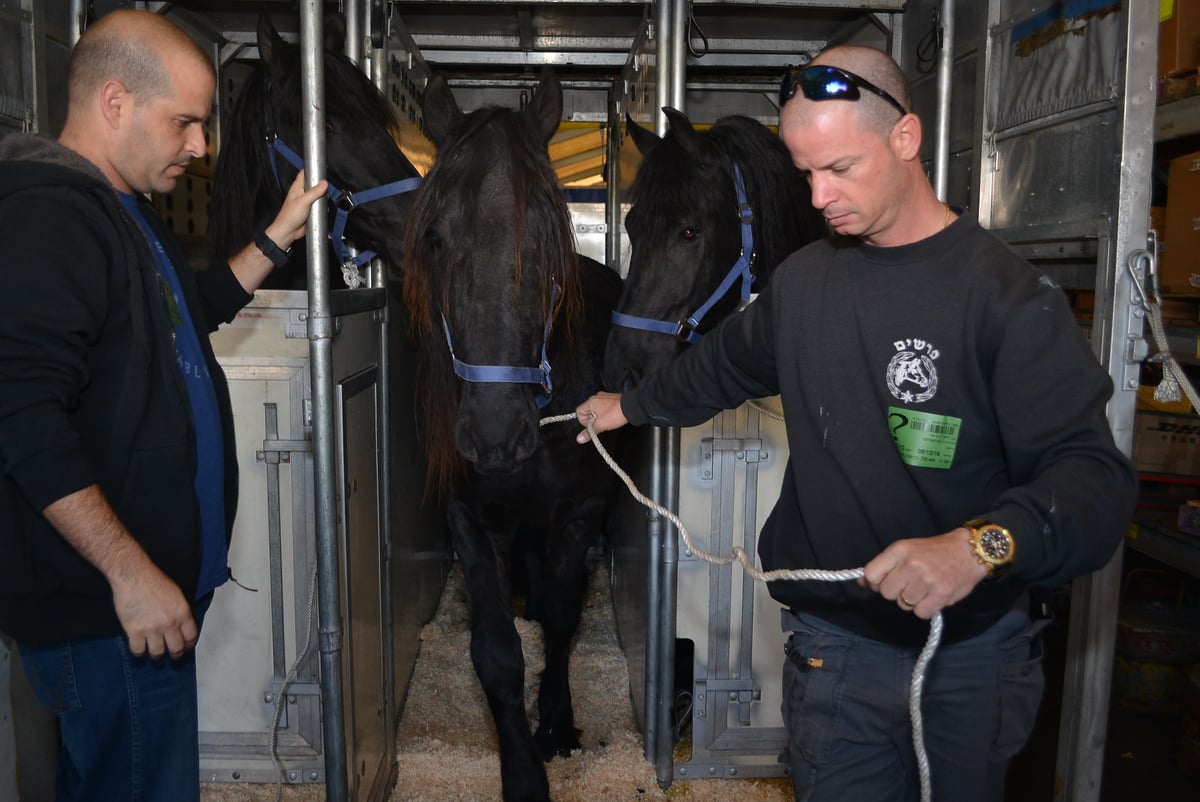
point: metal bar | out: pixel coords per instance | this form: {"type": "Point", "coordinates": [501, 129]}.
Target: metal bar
{"type": "Point", "coordinates": [945, 77]}
{"type": "Point", "coordinates": [320, 333]}
{"type": "Point", "coordinates": [1091, 637]}
{"type": "Point", "coordinates": [274, 547]}
{"type": "Point", "coordinates": [353, 13]}
{"type": "Point", "coordinates": [612, 180]}
{"type": "Point", "coordinates": [823, 5]}
{"type": "Point", "coordinates": [615, 59]}
{"type": "Point", "coordinates": [616, 44]}
{"type": "Point", "coordinates": [75, 24]}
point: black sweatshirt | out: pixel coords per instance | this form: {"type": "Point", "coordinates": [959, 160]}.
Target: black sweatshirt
{"type": "Point", "coordinates": [89, 389]}
{"type": "Point", "coordinates": [922, 386]}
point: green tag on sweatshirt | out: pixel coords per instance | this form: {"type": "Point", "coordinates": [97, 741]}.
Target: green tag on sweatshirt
{"type": "Point", "coordinates": [172, 307]}
{"type": "Point", "coordinates": [924, 440]}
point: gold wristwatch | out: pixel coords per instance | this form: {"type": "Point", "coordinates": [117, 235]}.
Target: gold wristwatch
{"type": "Point", "coordinates": [992, 545]}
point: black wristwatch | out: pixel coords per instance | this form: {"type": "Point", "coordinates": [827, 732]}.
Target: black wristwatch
{"type": "Point", "coordinates": [278, 256]}
{"type": "Point", "coordinates": [992, 545]}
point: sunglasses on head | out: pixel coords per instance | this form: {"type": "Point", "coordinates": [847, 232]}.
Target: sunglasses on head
{"type": "Point", "coordinates": [828, 83]}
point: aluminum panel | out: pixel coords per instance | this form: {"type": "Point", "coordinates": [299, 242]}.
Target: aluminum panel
{"type": "Point", "coordinates": [264, 620]}
{"type": "Point", "coordinates": [730, 473]}
{"type": "Point", "coordinates": [1057, 174]}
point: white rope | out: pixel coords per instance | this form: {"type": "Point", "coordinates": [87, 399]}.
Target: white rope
{"type": "Point", "coordinates": [802, 574]}
{"type": "Point", "coordinates": [758, 404]}
{"type": "Point", "coordinates": [1173, 379]}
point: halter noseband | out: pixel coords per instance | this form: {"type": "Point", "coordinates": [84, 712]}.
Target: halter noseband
{"type": "Point", "coordinates": [686, 329]}
{"type": "Point", "coordinates": [344, 201]}
{"type": "Point", "coordinates": [504, 374]}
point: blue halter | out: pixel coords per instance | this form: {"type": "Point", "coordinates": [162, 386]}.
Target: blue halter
{"type": "Point", "coordinates": [504, 374]}
{"type": "Point", "coordinates": [345, 202]}
{"type": "Point", "coordinates": [686, 330]}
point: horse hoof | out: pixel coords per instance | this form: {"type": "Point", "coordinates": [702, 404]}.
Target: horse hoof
{"type": "Point", "coordinates": [554, 743]}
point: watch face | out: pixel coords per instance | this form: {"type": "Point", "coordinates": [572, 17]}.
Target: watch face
{"type": "Point", "coordinates": [994, 544]}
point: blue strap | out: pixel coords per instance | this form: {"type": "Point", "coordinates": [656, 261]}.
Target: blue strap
{"type": "Point", "coordinates": [741, 268]}
{"type": "Point", "coordinates": [345, 202]}
{"type": "Point", "coordinates": [505, 374]}
{"type": "Point", "coordinates": [686, 329]}
{"type": "Point", "coordinates": [677, 329]}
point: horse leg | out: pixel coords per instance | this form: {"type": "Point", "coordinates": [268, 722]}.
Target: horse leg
{"type": "Point", "coordinates": [496, 655]}
{"type": "Point", "coordinates": [565, 578]}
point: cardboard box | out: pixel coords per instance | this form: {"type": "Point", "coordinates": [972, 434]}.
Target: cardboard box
{"type": "Point", "coordinates": [1179, 262]}
{"type": "Point", "coordinates": [1178, 37]}
{"type": "Point", "coordinates": [1166, 443]}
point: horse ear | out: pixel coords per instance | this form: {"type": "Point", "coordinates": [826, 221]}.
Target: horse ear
{"type": "Point", "coordinates": [547, 105]}
{"type": "Point", "coordinates": [270, 44]}
{"type": "Point", "coordinates": [643, 138]}
{"type": "Point", "coordinates": [442, 114]}
{"type": "Point", "coordinates": [334, 31]}
{"type": "Point", "coordinates": [679, 125]}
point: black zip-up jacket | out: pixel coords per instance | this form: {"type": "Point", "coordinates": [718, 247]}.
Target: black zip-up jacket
{"type": "Point", "coordinates": [89, 389]}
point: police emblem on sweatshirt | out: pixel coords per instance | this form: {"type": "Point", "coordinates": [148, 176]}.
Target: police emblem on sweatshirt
{"type": "Point", "coordinates": [912, 375]}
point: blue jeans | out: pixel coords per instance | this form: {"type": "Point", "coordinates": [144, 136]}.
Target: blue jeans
{"type": "Point", "coordinates": [129, 725]}
{"type": "Point", "coordinates": [845, 704]}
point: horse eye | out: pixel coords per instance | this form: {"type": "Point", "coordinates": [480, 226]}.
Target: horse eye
{"type": "Point", "coordinates": [433, 238]}
{"type": "Point", "coordinates": [690, 233]}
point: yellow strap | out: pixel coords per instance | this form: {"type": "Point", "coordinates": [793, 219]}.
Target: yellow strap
{"type": "Point", "coordinates": [1166, 10]}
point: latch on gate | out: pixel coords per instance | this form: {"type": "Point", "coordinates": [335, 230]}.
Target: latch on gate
{"type": "Point", "coordinates": [275, 451]}
{"type": "Point", "coordinates": [740, 692]}
{"type": "Point", "coordinates": [744, 448]}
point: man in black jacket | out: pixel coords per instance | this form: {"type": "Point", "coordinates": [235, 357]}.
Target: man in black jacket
{"type": "Point", "coordinates": [117, 466]}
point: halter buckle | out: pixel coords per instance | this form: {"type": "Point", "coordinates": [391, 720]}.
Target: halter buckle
{"type": "Point", "coordinates": [686, 328]}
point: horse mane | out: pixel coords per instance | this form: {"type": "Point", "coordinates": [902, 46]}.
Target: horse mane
{"type": "Point", "coordinates": [772, 182]}
{"type": "Point", "coordinates": [246, 194]}
{"type": "Point", "coordinates": [249, 195]}
{"type": "Point", "coordinates": [541, 219]}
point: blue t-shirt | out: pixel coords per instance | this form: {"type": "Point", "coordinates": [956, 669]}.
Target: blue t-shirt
{"type": "Point", "coordinates": [206, 418]}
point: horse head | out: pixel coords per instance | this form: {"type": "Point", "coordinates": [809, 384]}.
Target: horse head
{"type": "Point", "coordinates": [263, 149]}
{"type": "Point", "coordinates": [490, 277]}
{"type": "Point", "coordinates": [713, 212]}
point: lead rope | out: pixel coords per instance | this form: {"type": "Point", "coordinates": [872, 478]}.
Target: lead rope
{"type": "Point", "coordinates": [798, 574]}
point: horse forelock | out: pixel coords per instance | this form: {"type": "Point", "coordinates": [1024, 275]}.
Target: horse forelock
{"type": "Point", "coordinates": [784, 219]}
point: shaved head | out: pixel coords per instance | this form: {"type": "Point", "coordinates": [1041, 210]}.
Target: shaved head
{"type": "Point", "coordinates": [129, 46]}
{"type": "Point", "coordinates": [875, 66]}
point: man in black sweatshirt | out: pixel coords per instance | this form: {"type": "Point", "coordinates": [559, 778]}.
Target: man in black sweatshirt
{"type": "Point", "coordinates": [946, 425]}
{"type": "Point", "coordinates": [117, 473]}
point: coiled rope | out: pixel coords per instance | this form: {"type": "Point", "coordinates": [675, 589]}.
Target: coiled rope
{"type": "Point", "coordinates": [738, 555]}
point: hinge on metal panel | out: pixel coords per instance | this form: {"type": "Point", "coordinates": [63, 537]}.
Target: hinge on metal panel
{"type": "Point", "coordinates": [748, 449]}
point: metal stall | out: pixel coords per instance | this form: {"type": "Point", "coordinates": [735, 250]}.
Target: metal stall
{"type": "Point", "coordinates": [1087, 228]}
{"type": "Point", "coordinates": [337, 558]}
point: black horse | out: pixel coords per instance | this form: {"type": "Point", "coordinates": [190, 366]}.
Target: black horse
{"type": "Point", "coordinates": [260, 153]}
{"type": "Point", "coordinates": [712, 210]}
{"type": "Point", "coordinates": [512, 325]}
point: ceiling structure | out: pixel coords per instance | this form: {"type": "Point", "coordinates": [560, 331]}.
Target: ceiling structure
{"type": "Point", "coordinates": [485, 48]}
